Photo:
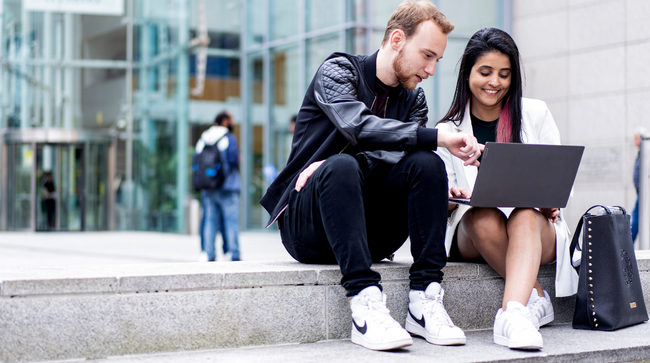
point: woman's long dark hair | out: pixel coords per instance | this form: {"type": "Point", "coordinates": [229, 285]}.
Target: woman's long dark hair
{"type": "Point", "coordinates": [485, 41]}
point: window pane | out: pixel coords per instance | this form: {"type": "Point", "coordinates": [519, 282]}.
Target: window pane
{"type": "Point", "coordinates": [322, 14]}
{"type": "Point", "coordinates": [470, 15]}
{"type": "Point", "coordinates": [288, 98]}
{"type": "Point", "coordinates": [318, 49]}
{"type": "Point", "coordinates": [380, 11]}
{"type": "Point", "coordinates": [257, 18]}
{"type": "Point", "coordinates": [285, 15]}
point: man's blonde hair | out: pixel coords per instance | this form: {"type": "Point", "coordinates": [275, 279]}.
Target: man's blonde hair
{"type": "Point", "coordinates": [410, 14]}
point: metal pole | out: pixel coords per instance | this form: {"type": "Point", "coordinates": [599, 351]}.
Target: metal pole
{"type": "Point", "coordinates": [3, 108]}
{"type": "Point", "coordinates": [25, 44]}
{"type": "Point", "coordinates": [47, 70]}
{"type": "Point", "coordinates": [644, 193]}
{"type": "Point", "coordinates": [58, 73]}
{"type": "Point", "coordinates": [68, 72]}
{"type": "Point", "coordinates": [269, 101]}
{"type": "Point", "coordinates": [182, 115]}
{"type": "Point", "coordinates": [246, 114]}
{"type": "Point", "coordinates": [3, 77]}
{"type": "Point", "coordinates": [128, 108]}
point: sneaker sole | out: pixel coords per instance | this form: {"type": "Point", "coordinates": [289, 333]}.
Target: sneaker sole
{"type": "Point", "coordinates": [417, 329]}
{"type": "Point", "coordinates": [546, 320]}
{"type": "Point", "coordinates": [517, 345]}
{"type": "Point", "coordinates": [359, 339]}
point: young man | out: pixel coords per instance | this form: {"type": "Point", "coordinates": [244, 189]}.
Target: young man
{"type": "Point", "coordinates": [221, 206]}
{"type": "Point", "coordinates": [362, 177]}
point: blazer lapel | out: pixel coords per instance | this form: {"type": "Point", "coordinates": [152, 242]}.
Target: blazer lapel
{"type": "Point", "coordinates": [470, 171]}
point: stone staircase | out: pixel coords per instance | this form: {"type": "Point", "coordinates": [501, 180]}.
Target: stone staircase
{"type": "Point", "coordinates": [250, 311]}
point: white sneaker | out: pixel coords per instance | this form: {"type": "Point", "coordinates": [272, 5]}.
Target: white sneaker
{"type": "Point", "coordinates": [541, 309]}
{"type": "Point", "coordinates": [203, 257]}
{"type": "Point", "coordinates": [428, 318]}
{"type": "Point", "coordinates": [372, 325]}
{"type": "Point", "coordinates": [514, 329]}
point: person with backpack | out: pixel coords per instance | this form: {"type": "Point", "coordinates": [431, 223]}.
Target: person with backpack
{"type": "Point", "coordinates": [216, 175]}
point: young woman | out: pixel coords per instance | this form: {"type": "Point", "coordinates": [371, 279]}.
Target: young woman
{"type": "Point", "coordinates": [488, 103]}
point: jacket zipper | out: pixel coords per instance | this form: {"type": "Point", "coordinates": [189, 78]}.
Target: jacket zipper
{"type": "Point", "coordinates": [386, 105]}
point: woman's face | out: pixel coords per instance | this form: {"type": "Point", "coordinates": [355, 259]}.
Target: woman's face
{"type": "Point", "coordinates": [489, 81]}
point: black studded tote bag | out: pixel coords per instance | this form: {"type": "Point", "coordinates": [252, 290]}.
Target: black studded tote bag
{"type": "Point", "coordinates": [609, 295]}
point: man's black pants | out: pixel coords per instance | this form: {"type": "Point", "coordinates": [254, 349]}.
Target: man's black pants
{"type": "Point", "coordinates": [341, 217]}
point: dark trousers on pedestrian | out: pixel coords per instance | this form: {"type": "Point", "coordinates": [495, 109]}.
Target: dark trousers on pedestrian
{"type": "Point", "coordinates": [342, 217]}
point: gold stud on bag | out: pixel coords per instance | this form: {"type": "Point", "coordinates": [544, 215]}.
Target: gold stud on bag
{"type": "Point", "coordinates": [608, 272]}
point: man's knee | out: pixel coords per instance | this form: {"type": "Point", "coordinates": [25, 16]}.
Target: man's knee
{"type": "Point", "coordinates": [341, 168]}
{"type": "Point", "coordinates": [427, 167]}
{"type": "Point", "coordinates": [427, 162]}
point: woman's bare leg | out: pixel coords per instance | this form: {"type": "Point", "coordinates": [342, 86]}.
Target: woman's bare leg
{"type": "Point", "coordinates": [519, 244]}
{"type": "Point", "coordinates": [531, 244]}
{"type": "Point", "coordinates": [482, 233]}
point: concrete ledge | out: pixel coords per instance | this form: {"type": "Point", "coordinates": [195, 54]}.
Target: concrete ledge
{"type": "Point", "coordinates": [95, 312]}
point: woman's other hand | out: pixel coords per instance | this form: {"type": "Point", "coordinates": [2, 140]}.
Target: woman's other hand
{"type": "Point", "coordinates": [458, 192]}
{"type": "Point", "coordinates": [552, 214]}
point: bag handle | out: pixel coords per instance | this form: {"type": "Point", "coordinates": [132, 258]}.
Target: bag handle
{"type": "Point", "coordinates": [606, 208]}
{"type": "Point", "coordinates": [576, 234]}
{"type": "Point", "coordinates": [574, 242]}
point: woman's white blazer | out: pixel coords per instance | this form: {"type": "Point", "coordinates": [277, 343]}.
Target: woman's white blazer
{"type": "Point", "coordinates": [538, 127]}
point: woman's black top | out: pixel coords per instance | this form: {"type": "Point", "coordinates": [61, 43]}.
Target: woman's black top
{"type": "Point", "coordinates": [484, 131]}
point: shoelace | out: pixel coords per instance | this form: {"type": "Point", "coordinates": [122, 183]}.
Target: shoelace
{"type": "Point", "coordinates": [435, 310]}
{"type": "Point", "coordinates": [533, 309]}
{"type": "Point", "coordinates": [379, 313]}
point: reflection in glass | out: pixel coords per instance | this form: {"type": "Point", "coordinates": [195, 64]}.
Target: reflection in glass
{"type": "Point", "coordinates": [380, 11]}
{"type": "Point", "coordinates": [285, 18]}
{"type": "Point", "coordinates": [257, 18]}
{"type": "Point", "coordinates": [257, 118]}
{"type": "Point", "coordinates": [318, 49]}
{"type": "Point", "coordinates": [288, 97]}
{"type": "Point", "coordinates": [469, 16]}
{"type": "Point", "coordinates": [21, 162]}
{"type": "Point", "coordinates": [322, 14]}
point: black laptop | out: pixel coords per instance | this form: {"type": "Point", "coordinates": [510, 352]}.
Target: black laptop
{"type": "Point", "coordinates": [525, 176]}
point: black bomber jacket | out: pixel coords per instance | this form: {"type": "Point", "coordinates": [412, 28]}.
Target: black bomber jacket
{"type": "Point", "coordinates": [335, 118]}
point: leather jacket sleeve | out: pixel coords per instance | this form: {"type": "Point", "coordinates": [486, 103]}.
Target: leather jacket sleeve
{"type": "Point", "coordinates": [336, 94]}
{"type": "Point", "coordinates": [335, 91]}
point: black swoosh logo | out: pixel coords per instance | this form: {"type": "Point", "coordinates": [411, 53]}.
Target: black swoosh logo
{"type": "Point", "coordinates": [361, 329]}
{"type": "Point", "coordinates": [419, 321]}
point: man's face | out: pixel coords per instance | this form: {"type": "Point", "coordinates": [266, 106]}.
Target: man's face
{"type": "Point", "coordinates": [228, 122]}
{"type": "Point", "coordinates": [417, 57]}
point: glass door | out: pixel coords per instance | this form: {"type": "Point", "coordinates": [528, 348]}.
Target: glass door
{"type": "Point", "coordinates": [20, 157]}
{"type": "Point", "coordinates": [96, 183]}
{"type": "Point", "coordinates": [60, 187]}
{"type": "Point", "coordinates": [47, 185]}
{"type": "Point", "coordinates": [71, 202]}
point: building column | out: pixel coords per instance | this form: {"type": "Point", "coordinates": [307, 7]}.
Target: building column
{"type": "Point", "coordinates": [182, 115]}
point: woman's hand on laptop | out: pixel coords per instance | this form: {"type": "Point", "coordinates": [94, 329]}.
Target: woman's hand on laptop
{"type": "Point", "coordinates": [458, 192]}
{"type": "Point", "coordinates": [552, 214]}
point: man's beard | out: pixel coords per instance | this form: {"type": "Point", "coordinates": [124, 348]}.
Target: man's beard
{"type": "Point", "coordinates": [402, 76]}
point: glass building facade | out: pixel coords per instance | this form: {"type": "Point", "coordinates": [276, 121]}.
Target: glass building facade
{"type": "Point", "coordinates": [105, 99]}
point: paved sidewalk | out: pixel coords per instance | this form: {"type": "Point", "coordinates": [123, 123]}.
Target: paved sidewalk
{"type": "Point", "coordinates": [56, 249]}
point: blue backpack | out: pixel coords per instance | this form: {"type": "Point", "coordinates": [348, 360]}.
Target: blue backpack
{"type": "Point", "coordinates": [209, 168]}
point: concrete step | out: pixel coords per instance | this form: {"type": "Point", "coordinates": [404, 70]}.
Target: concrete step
{"type": "Point", "coordinates": [561, 344]}
{"type": "Point", "coordinates": [100, 311]}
